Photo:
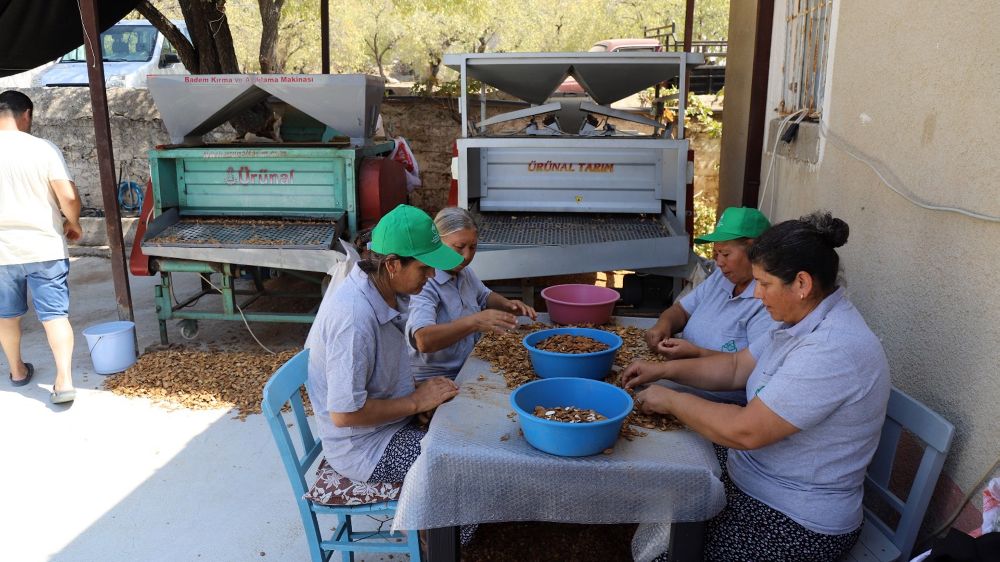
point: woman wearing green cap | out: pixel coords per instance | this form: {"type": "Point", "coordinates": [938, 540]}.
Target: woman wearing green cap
{"type": "Point", "coordinates": [721, 314]}
{"type": "Point", "coordinates": [359, 381]}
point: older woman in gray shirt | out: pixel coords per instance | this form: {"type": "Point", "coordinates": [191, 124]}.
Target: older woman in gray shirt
{"type": "Point", "coordinates": [455, 307]}
{"type": "Point", "coordinates": [816, 388]}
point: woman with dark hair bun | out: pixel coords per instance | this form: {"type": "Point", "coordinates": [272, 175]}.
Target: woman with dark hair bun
{"type": "Point", "coordinates": [794, 458]}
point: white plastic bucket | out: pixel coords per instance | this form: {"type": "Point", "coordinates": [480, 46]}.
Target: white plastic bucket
{"type": "Point", "coordinates": [112, 346]}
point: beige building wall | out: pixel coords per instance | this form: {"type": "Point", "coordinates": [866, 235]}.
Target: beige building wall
{"type": "Point", "coordinates": [912, 87]}
{"type": "Point", "coordinates": [735, 119]}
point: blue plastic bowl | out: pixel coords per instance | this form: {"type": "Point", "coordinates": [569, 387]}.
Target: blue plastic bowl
{"type": "Point", "coordinates": [571, 439]}
{"type": "Point", "coordinates": [548, 364]}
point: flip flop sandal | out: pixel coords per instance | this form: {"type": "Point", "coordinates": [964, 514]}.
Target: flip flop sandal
{"type": "Point", "coordinates": [63, 396]}
{"type": "Point", "coordinates": [25, 380]}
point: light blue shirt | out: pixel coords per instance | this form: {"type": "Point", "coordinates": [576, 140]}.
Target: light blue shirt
{"type": "Point", "coordinates": [721, 322]}
{"type": "Point", "coordinates": [356, 352]}
{"type": "Point", "coordinates": [829, 377]}
{"type": "Point", "coordinates": [445, 298]}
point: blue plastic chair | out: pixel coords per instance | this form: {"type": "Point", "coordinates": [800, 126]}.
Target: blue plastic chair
{"type": "Point", "coordinates": [283, 388]}
{"type": "Point", "coordinates": [880, 542]}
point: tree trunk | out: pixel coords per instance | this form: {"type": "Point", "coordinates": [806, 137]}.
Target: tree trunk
{"type": "Point", "coordinates": [209, 29]}
{"type": "Point", "coordinates": [378, 52]}
{"type": "Point", "coordinates": [270, 18]}
{"type": "Point", "coordinates": [185, 50]}
{"type": "Point", "coordinates": [211, 49]}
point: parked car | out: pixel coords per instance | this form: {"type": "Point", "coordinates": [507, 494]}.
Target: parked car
{"type": "Point", "coordinates": [570, 87]}
{"type": "Point", "coordinates": [133, 49]}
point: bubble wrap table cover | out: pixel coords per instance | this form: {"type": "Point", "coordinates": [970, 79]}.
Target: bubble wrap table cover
{"type": "Point", "coordinates": [475, 467]}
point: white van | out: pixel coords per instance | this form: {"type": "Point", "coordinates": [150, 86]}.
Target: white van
{"type": "Point", "coordinates": [133, 49]}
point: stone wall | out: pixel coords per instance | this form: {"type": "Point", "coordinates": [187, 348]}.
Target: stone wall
{"type": "Point", "coordinates": [429, 126]}
{"type": "Point", "coordinates": [63, 115]}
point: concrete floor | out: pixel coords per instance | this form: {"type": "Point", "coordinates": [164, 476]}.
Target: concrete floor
{"type": "Point", "coordinates": [119, 479]}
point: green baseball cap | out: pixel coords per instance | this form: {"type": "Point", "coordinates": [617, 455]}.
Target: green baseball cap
{"type": "Point", "coordinates": [407, 231]}
{"type": "Point", "coordinates": [737, 222]}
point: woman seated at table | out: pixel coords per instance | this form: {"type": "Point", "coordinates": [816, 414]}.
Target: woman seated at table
{"type": "Point", "coordinates": [720, 314]}
{"type": "Point", "coordinates": [359, 375]}
{"type": "Point", "coordinates": [817, 391]}
{"type": "Point", "coordinates": [455, 307]}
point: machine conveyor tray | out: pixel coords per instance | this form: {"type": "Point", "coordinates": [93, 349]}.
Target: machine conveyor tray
{"type": "Point", "coordinates": [231, 233]}
{"type": "Point", "coordinates": [564, 229]}
{"type": "Point", "coordinates": [294, 245]}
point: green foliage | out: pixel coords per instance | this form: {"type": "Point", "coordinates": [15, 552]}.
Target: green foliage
{"type": "Point", "coordinates": [697, 114]}
{"type": "Point", "coordinates": [704, 221]}
{"type": "Point", "coordinates": [415, 34]}
{"type": "Point", "coordinates": [451, 88]}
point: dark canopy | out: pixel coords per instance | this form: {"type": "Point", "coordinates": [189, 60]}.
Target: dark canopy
{"type": "Point", "coordinates": [34, 32]}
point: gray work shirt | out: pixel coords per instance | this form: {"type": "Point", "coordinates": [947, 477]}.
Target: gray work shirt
{"type": "Point", "coordinates": [356, 352]}
{"type": "Point", "coordinates": [721, 322]}
{"type": "Point", "coordinates": [829, 377]}
{"type": "Point", "coordinates": [444, 299]}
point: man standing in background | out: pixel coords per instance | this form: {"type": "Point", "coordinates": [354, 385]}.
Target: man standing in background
{"type": "Point", "coordinates": [39, 210]}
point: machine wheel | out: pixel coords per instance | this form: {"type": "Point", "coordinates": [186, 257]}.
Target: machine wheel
{"type": "Point", "coordinates": [188, 328]}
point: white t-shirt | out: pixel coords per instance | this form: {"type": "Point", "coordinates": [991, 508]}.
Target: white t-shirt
{"type": "Point", "coordinates": [30, 222]}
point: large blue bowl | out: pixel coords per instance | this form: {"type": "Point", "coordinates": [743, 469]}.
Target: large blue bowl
{"type": "Point", "coordinates": [548, 364]}
{"type": "Point", "coordinates": [571, 439]}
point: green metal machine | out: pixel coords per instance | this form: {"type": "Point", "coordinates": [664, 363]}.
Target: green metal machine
{"type": "Point", "coordinates": [240, 215]}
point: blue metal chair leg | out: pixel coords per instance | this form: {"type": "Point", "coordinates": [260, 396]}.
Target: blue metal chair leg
{"type": "Point", "coordinates": [311, 525]}
{"type": "Point", "coordinates": [347, 556]}
{"type": "Point", "coordinates": [413, 540]}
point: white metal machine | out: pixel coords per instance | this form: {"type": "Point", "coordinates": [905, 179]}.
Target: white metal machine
{"type": "Point", "coordinates": [571, 191]}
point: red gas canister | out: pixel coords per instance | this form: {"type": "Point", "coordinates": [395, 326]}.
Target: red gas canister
{"type": "Point", "coordinates": [382, 187]}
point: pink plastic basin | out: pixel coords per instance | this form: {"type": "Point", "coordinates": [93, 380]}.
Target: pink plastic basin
{"type": "Point", "coordinates": [580, 304]}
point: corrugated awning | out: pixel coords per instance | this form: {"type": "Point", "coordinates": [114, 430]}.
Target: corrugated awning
{"type": "Point", "coordinates": [34, 32]}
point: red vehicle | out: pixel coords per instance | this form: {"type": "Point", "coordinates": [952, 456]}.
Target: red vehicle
{"type": "Point", "coordinates": [570, 87]}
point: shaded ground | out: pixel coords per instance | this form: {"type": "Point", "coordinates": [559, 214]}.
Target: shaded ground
{"type": "Point", "coordinates": [555, 542]}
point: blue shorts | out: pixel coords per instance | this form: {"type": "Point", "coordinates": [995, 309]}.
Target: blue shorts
{"type": "Point", "coordinates": [49, 289]}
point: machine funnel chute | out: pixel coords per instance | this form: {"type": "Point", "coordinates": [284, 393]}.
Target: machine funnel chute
{"type": "Point", "coordinates": [194, 105]}
{"type": "Point", "coordinates": [606, 77]}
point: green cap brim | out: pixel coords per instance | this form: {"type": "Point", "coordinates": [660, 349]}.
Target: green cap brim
{"type": "Point", "coordinates": [717, 236]}
{"type": "Point", "coordinates": [442, 257]}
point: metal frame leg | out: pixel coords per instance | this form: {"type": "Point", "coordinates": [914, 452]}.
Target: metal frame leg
{"type": "Point", "coordinates": [687, 541]}
{"type": "Point", "coordinates": [228, 294]}
{"type": "Point", "coordinates": [442, 544]}
{"type": "Point", "coordinates": [528, 294]}
{"type": "Point", "coordinates": [161, 298]}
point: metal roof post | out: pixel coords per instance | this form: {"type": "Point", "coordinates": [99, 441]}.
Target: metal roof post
{"type": "Point", "coordinates": [463, 97]}
{"type": "Point", "coordinates": [324, 33]}
{"type": "Point", "coordinates": [758, 109]}
{"type": "Point", "coordinates": [105, 156]}
{"type": "Point", "coordinates": [685, 78]}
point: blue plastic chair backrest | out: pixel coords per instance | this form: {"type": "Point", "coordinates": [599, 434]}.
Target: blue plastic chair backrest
{"type": "Point", "coordinates": [283, 388]}
{"type": "Point", "coordinates": [904, 412]}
